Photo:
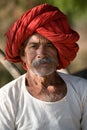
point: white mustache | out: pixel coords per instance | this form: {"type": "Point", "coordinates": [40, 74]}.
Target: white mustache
{"type": "Point", "coordinates": [46, 60]}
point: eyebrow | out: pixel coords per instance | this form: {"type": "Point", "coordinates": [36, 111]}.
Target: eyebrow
{"type": "Point", "coordinates": [33, 42]}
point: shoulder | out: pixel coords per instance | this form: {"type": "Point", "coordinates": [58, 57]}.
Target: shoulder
{"type": "Point", "coordinates": [78, 84]}
{"type": "Point", "coordinates": [73, 79]}
{"type": "Point", "coordinates": [12, 88]}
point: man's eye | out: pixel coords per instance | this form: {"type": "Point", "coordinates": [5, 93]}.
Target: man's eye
{"type": "Point", "coordinates": [49, 45]}
{"type": "Point", "coordinates": [33, 46]}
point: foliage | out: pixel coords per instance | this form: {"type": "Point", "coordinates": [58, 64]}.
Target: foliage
{"type": "Point", "coordinates": [72, 8]}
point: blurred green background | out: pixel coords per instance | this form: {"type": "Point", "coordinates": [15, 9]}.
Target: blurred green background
{"type": "Point", "coordinates": [11, 10]}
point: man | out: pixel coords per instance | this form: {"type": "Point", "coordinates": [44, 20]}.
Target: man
{"type": "Point", "coordinates": [43, 98]}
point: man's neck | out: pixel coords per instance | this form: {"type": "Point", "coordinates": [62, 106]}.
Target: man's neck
{"type": "Point", "coordinates": [35, 80]}
{"type": "Point", "coordinates": [47, 88]}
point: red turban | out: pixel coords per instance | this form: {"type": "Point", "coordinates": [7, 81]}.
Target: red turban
{"type": "Point", "coordinates": [49, 22]}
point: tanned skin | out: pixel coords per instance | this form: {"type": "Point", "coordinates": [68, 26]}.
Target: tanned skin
{"type": "Point", "coordinates": [43, 81]}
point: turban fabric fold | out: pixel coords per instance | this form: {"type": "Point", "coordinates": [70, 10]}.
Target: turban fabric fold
{"type": "Point", "coordinates": [49, 22]}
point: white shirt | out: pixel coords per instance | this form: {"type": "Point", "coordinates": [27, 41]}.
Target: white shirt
{"type": "Point", "coordinates": [20, 111]}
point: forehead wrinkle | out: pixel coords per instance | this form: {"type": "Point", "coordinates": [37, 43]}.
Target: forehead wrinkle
{"type": "Point", "coordinates": [42, 40]}
{"type": "Point", "coordinates": [37, 38]}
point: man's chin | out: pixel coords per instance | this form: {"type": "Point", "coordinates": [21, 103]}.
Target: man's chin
{"type": "Point", "coordinates": [43, 73]}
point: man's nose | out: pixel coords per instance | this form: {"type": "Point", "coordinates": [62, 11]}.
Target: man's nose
{"type": "Point", "coordinates": [41, 52]}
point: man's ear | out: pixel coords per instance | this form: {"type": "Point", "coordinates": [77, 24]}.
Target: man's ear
{"type": "Point", "coordinates": [23, 61]}
{"type": "Point", "coordinates": [22, 54]}
{"type": "Point", "coordinates": [23, 58]}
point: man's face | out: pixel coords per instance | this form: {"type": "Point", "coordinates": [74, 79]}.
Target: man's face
{"type": "Point", "coordinates": [40, 56]}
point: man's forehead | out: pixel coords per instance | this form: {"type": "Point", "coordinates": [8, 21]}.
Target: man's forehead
{"type": "Point", "coordinates": [37, 38]}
